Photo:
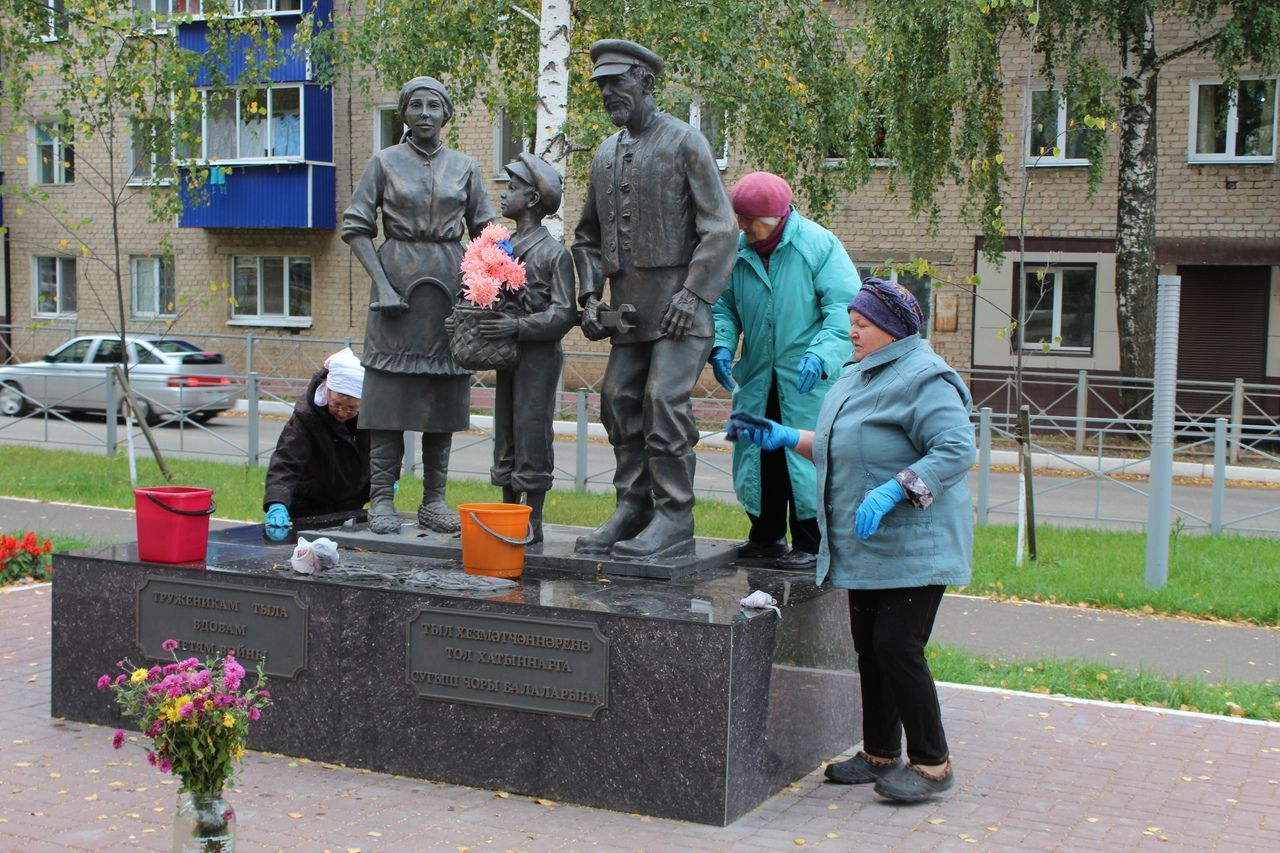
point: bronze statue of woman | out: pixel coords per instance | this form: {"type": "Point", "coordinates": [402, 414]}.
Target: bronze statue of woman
{"type": "Point", "coordinates": [430, 197]}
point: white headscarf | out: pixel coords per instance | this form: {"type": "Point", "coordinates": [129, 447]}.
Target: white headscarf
{"type": "Point", "coordinates": [346, 376]}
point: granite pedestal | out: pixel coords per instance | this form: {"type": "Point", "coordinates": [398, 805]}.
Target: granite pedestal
{"type": "Point", "coordinates": [657, 697]}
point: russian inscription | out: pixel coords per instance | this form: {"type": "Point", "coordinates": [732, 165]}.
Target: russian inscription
{"type": "Point", "coordinates": [547, 666]}
{"type": "Point", "coordinates": [210, 619]}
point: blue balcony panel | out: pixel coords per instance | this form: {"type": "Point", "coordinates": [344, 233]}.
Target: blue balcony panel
{"type": "Point", "coordinates": [285, 195]}
{"type": "Point", "coordinates": [317, 112]}
{"type": "Point", "coordinates": [195, 37]}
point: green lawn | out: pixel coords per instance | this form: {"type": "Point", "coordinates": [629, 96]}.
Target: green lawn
{"type": "Point", "coordinates": [1222, 577]}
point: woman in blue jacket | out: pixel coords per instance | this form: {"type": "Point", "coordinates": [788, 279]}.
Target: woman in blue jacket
{"type": "Point", "coordinates": [892, 446]}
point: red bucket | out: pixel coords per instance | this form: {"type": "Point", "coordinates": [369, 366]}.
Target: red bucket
{"type": "Point", "coordinates": [173, 523]}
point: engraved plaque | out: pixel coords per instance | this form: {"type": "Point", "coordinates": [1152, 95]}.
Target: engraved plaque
{"type": "Point", "coordinates": [207, 619]}
{"type": "Point", "coordinates": [546, 666]}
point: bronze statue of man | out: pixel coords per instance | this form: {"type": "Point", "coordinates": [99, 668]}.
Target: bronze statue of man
{"type": "Point", "coordinates": [657, 224]}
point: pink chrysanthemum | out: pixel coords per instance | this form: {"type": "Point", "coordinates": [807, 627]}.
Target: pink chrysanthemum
{"type": "Point", "coordinates": [488, 269]}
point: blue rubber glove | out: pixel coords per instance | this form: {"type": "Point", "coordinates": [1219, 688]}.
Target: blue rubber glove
{"type": "Point", "coordinates": [722, 366]}
{"type": "Point", "coordinates": [767, 434]}
{"type": "Point", "coordinates": [875, 505]}
{"type": "Point", "coordinates": [278, 522]}
{"type": "Point", "coordinates": [810, 369]}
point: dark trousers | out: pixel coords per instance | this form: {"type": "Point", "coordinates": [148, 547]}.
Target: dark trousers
{"type": "Point", "coordinates": [890, 628]}
{"type": "Point", "coordinates": [777, 503]}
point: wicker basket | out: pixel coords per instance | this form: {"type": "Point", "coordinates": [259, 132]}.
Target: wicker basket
{"type": "Point", "coordinates": [475, 352]}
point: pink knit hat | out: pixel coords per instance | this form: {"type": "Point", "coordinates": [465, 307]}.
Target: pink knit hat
{"type": "Point", "coordinates": [761, 194]}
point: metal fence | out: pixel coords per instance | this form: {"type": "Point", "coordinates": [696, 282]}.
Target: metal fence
{"type": "Point", "coordinates": [1076, 424]}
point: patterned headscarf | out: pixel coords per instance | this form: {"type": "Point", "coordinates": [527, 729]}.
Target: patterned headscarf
{"type": "Point", "coordinates": [890, 306]}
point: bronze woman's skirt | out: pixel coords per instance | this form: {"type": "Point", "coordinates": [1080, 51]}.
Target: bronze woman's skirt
{"type": "Point", "coordinates": [419, 402]}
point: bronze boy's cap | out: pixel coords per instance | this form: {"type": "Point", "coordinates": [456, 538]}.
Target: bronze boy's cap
{"type": "Point", "coordinates": [616, 56]}
{"type": "Point", "coordinates": [539, 174]}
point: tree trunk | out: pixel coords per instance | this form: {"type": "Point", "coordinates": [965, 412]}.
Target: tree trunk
{"type": "Point", "coordinates": [1136, 212]}
{"type": "Point", "coordinates": [553, 94]}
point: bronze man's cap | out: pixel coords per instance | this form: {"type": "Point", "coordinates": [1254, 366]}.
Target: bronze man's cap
{"type": "Point", "coordinates": [616, 56]}
{"type": "Point", "coordinates": [539, 174]}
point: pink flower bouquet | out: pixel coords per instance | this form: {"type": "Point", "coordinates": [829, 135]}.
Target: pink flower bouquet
{"type": "Point", "coordinates": [490, 272]}
{"type": "Point", "coordinates": [196, 715]}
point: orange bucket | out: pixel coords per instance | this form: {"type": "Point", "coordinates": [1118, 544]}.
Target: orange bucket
{"type": "Point", "coordinates": [493, 538]}
{"type": "Point", "coordinates": [173, 523]}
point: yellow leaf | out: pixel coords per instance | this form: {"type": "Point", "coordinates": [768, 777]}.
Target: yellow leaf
{"type": "Point", "coordinates": [295, 815]}
{"type": "Point", "coordinates": [501, 794]}
{"type": "Point", "coordinates": [999, 159]}
{"type": "Point", "coordinates": [22, 161]}
{"type": "Point", "coordinates": [799, 842]}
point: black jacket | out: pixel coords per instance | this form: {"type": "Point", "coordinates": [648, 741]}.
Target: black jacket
{"type": "Point", "coordinates": [320, 466]}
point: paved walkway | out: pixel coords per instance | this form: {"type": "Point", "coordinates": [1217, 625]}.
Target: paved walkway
{"type": "Point", "coordinates": [1035, 773]}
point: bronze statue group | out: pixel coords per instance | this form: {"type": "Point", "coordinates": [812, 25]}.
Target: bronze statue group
{"type": "Point", "coordinates": [848, 429]}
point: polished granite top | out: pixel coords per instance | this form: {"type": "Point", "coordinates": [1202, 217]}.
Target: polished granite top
{"type": "Point", "coordinates": [709, 596]}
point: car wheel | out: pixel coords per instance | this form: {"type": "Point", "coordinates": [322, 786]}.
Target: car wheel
{"type": "Point", "coordinates": [203, 417]}
{"type": "Point", "coordinates": [12, 403]}
{"type": "Point", "coordinates": [142, 412]}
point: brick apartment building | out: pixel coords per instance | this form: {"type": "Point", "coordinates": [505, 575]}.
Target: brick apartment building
{"type": "Point", "coordinates": [270, 230]}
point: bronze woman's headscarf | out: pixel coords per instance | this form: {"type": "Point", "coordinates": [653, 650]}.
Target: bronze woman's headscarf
{"type": "Point", "coordinates": [431, 84]}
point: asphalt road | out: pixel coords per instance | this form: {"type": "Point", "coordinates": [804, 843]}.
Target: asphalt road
{"type": "Point", "coordinates": [1094, 502]}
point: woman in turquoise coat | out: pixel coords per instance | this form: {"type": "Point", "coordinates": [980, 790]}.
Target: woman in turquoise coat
{"type": "Point", "coordinates": [892, 445]}
{"type": "Point", "coordinates": [787, 301]}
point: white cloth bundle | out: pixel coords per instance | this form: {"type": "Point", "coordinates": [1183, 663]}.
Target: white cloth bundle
{"type": "Point", "coordinates": [758, 600]}
{"type": "Point", "coordinates": [310, 557]}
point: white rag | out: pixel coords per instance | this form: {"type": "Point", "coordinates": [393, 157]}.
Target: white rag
{"type": "Point", "coordinates": [310, 557]}
{"type": "Point", "coordinates": [758, 600]}
{"type": "Point", "coordinates": [346, 376]}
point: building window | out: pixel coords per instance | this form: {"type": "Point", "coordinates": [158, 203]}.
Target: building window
{"type": "Point", "coordinates": [511, 139]}
{"type": "Point", "coordinates": [1237, 125]}
{"type": "Point", "coordinates": [57, 18]}
{"type": "Point", "coordinates": [244, 7]}
{"type": "Point", "coordinates": [270, 287]}
{"type": "Point", "coordinates": [388, 129]}
{"type": "Point", "coordinates": [1055, 131]}
{"type": "Point", "coordinates": [54, 160]}
{"type": "Point", "coordinates": [253, 124]}
{"type": "Point", "coordinates": [153, 292]}
{"type": "Point", "coordinates": [711, 122]}
{"type": "Point", "coordinates": [1056, 306]}
{"type": "Point", "coordinates": [54, 286]}
{"type": "Point", "coordinates": [921, 287]}
{"type": "Point", "coordinates": [156, 10]}
{"type": "Point", "coordinates": [149, 152]}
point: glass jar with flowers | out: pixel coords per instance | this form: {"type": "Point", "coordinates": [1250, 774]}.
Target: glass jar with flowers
{"type": "Point", "coordinates": [493, 280]}
{"type": "Point", "coordinates": [197, 717]}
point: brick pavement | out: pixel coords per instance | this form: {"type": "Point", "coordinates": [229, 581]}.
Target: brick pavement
{"type": "Point", "coordinates": [1035, 773]}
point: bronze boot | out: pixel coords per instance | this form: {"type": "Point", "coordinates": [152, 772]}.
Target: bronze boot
{"type": "Point", "coordinates": [386, 449]}
{"type": "Point", "coordinates": [433, 513]}
{"type": "Point", "coordinates": [670, 532]}
{"type": "Point", "coordinates": [635, 502]}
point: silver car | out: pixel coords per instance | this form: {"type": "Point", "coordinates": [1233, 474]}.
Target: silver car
{"type": "Point", "coordinates": [171, 379]}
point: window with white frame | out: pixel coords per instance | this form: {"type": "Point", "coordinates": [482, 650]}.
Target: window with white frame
{"type": "Point", "coordinates": [244, 7]}
{"type": "Point", "coordinates": [57, 18]}
{"type": "Point", "coordinates": [1236, 124]}
{"type": "Point", "coordinates": [253, 124]}
{"type": "Point", "coordinates": [921, 287]}
{"type": "Point", "coordinates": [53, 285]}
{"type": "Point", "coordinates": [388, 129]}
{"type": "Point", "coordinates": [149, 151]}
{"type": "Point", "coordinates": [511, 139]}
{"type": "Point", "coordinates": [152, 286]}
{"type": "Point", "coordinates": [1055, 130]}
{"type": "Point", "coordinates": [711, 122]}
{"type": "Point", "coordinates": [270, 287]}
{"type": "Point", "coordinates": [156, 10]}
{"type": "Point", "coordinates": [1056, 307]}
{"type": "Point", "coordinates": [54, 155]}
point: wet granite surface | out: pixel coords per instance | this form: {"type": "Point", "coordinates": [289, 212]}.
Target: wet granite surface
{"type": "Point", "coordinates": [709, 709]}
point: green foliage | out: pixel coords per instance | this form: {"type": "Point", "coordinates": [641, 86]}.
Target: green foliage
{"type": "Point", "coordinates": [785, 82]}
